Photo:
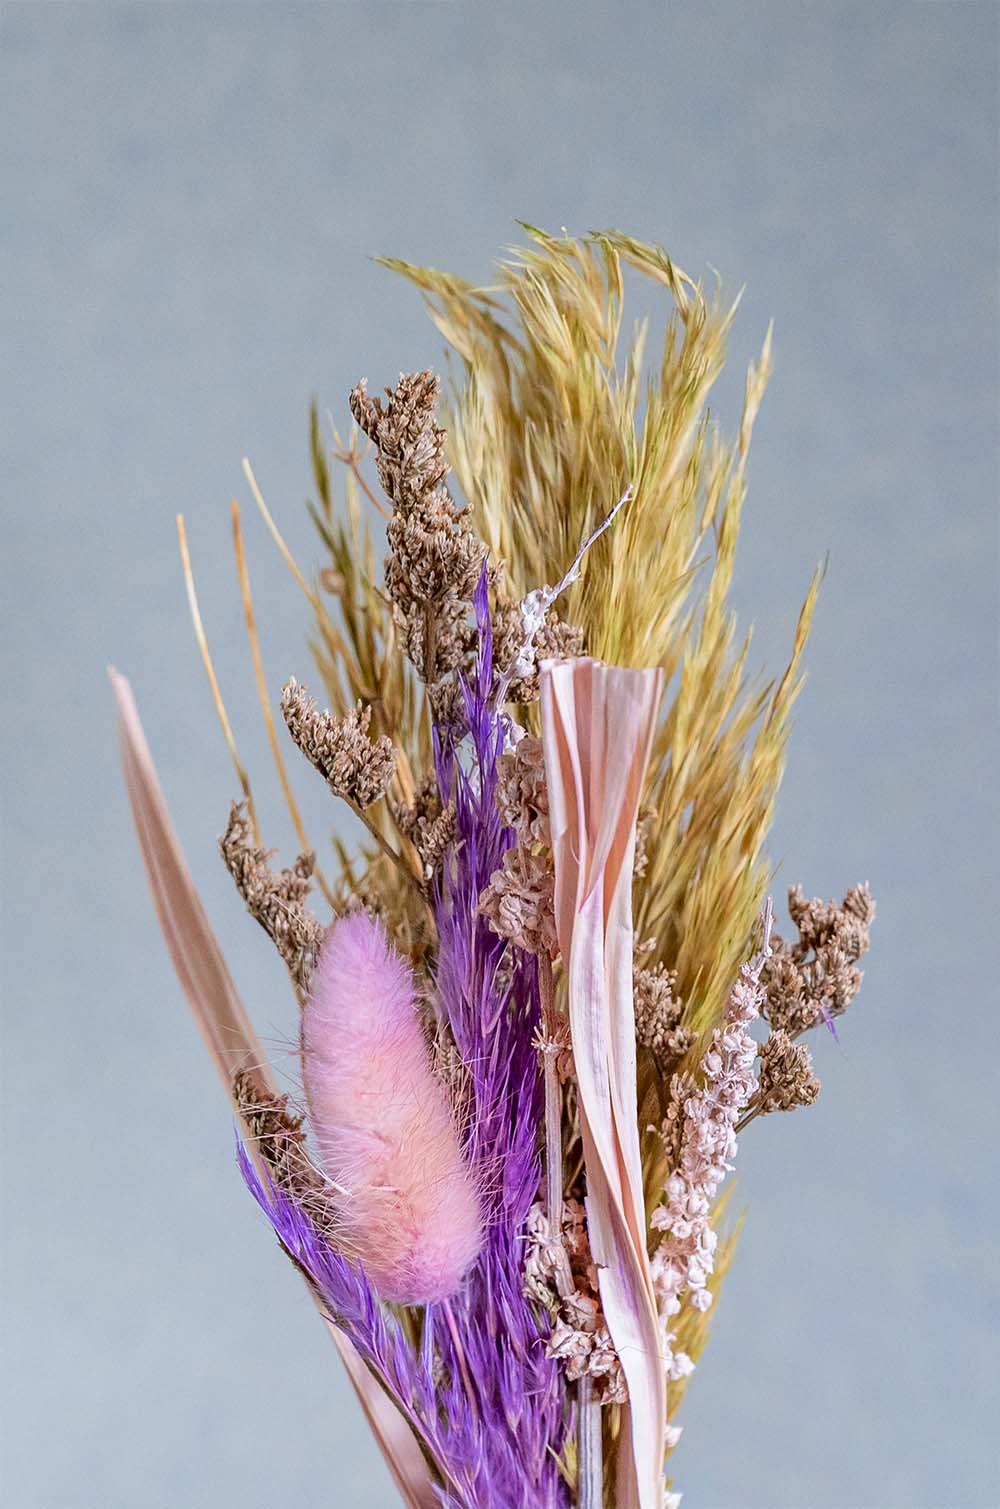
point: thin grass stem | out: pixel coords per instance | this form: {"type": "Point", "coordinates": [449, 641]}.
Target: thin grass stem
{"type": "Point", "coordinates": [265, 705]}
{"type": "Point", "coordinates": [590, 1448]}
{"type": "Point", "coordinates": [553, 1119]}
{"type": "Point", "coordinates": [213, 680]}
{"type": "Point", "coordinates": [351, 457]}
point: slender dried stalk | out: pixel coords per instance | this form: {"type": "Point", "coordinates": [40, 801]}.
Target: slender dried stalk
{"type": "Point", "coordinates": [590, 1447]}
{"type": "Point", "coordinates": [553, 1099]}
{"type": "Point", "coordinates": [265, 702]}
{"type": "Point", "coordinates": [329, 630]}
{"type": "Point", "coordinates": [213, 680]}
{"type": "Point", "coordinates": [350, 457]}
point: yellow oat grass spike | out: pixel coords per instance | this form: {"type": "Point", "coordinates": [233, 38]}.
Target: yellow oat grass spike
{"type": "Point", "coordinates": [553, 412]}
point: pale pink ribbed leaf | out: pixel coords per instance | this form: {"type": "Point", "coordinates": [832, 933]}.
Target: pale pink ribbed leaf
{"type": "Point", "coordinates": [231, 1040]}
{"type": "Point", "coordinates": [597, 726]}
{"type": "Point", "coordinates": [196, 955]}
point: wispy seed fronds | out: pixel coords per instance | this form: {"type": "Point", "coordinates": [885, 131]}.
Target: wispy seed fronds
{"type": "Point", "coordinates": [354, 766]}
{"type": "Point", "coordinates": [275, 898]}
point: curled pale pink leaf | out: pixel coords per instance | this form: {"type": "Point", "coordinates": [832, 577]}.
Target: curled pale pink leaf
{"type": "Point", "coordinates": [597, 726]}
{"type": "Point", "coordinates": [231, 1041]}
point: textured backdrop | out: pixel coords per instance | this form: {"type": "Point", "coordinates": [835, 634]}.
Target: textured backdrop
{"type": "Point", "coordinates": [190, 198]}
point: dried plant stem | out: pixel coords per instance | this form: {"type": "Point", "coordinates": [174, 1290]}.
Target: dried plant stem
{"type": "Point", "coordinates": [276, 535]}
{"type": "Point", "coordinates": [213, 681]}
{"type": "Point", "coordinates": [389, 851]}
{"type": "Point", "coordinates": [553, 1101]}
{"type": "Point", "coordinates": [265, 706]}
{"type": "Point", "coordinates": [334, 639]}
{"type": "Point", "coordinates": [351, 457]}
{"type": "Point", "coordinates": [749, 1115]}
{"type": "Point", "coordinates": [463, 1365]}
{"type": "Point", "coordinates": [589, 1447]}
{"type": "Point", "coordinates": [430, 644]}
{"type": "Point", "coordinates": [328, 628]}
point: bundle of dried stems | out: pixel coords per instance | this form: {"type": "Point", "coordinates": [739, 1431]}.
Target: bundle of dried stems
{"type": "Point", "coordinates": [526, 1046]}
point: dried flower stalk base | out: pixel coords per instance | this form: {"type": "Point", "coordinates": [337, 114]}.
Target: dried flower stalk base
{"type": "Point", "coordinates": [528, 1015]}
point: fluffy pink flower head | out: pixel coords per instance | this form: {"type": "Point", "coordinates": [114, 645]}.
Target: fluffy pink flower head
{"type": "Point", "coordinates": [383, 1122]}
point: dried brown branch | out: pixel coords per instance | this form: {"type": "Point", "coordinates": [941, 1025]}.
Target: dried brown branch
{"type": "Point", "coordinates": [434, 557]}
{"type": "Point", "coordinates": [816, 978]}
{"type": "Point", "coordinates": [275, 899]}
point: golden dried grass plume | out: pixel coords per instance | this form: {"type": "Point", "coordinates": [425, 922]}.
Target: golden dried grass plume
{"type": "Point", "coordinates": [552, 415]}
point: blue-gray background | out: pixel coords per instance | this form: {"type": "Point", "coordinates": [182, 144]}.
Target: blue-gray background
{"type": "Point", "coordinates": [190, 196]}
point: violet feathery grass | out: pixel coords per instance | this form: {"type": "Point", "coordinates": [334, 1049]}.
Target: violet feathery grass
{"type": "Point", "coordinates": [494, 1420]}
{"type": "Point", "coordinates": [449, 1435]}
{"type": "Point", "coordinates": [516, 1387]}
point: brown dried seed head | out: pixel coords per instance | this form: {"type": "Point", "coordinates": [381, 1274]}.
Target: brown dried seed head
{"type": "Point", "coordinates": [818, 976]}
{"type": "Point", "coordinates": [434, 558]}
{"type": "Point", "coordinates": [355, 766]}
{"type": "Point", "coordinates": [277, 1136]}
{"type": "Point", "coordinates": [410, 443]}
{"type": "Point", "coordinates": [786, 1079]}
{"type": "Point", "coordinates": [448, 705]}
{"type": "Point", "coordinates": [275, 899]}
{"type": "Point", "coordinates": [429, 828]}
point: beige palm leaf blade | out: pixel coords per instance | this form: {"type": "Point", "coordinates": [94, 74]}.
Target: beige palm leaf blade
{"type": "Point", "coordinates": [231, 1040]}
{"type": "Point", "coordinates": [597, 728]}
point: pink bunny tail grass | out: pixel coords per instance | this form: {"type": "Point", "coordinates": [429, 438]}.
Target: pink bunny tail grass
{"type": "Point", "coordinates": [383, 1123]}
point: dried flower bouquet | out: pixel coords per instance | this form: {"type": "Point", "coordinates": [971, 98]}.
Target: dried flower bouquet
{"type": "Point", "coordinates": [528, 1000]}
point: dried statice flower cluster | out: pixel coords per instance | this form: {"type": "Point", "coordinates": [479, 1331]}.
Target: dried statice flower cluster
{"type": "Point", "coordinates": [522, 795]}
{"type": "Point", "coordinates": [701, 1125]}
{"type": "Point", "coordinates": [816, 978]}
{"type": "Point", "coordinates": [356, 767]}
{"type": "Point", "coordinates": [463, 1184]}
{"type": "Point", "coordinates": [429, 826]}
{"type": "Point", "coordinates": [659, 1024]}
{"type": "Point", "coordinates": [518, 901]}
{"type": "Point", "coordinates": [519, 898]}
{"type": "Point", "coordinates": [560, 1274]}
